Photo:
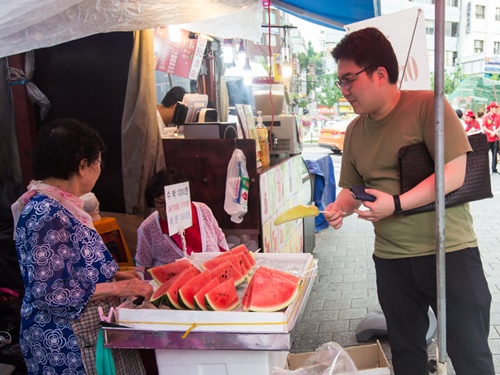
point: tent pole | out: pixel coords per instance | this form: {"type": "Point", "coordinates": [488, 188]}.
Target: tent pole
{"type": "Point", "coordinates": [439, 168]}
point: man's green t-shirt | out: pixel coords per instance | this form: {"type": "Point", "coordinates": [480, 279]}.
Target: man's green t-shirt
{"type": "Point", "coordinates": [370, 158]}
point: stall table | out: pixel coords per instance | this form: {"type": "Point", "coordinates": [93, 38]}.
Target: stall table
{"type": "Point", "coordinates": [215, 346]}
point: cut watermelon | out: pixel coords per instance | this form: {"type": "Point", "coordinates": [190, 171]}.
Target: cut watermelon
{"type": "Point", "coordinates": [188, 290]}
{"type": "Point", "coordinates": [165, 272]}
{"type": "Point", "coordinates": [245, 302]}
{"type": "Point", "coordinates": [157, 297]}
{"type": "Point", "coordinates": [227, 270]}
{"type": "Point", "coordinates": [270, 292]}
{"type": "Point", "coordinates": [199, 297]}
{"type": "Point", "coordinates": [171, 298]}
{"type": "Point", "coordinates": [223, 297]}
{"type": "Point", "coordinates": [242, 249]}
{"type": "Point", "coordinates": [286, 275]}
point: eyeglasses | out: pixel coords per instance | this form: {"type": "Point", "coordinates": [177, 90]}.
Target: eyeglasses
{"type": "Point", "coordinates": [346, 82]}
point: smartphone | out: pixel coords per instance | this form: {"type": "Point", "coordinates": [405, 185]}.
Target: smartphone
{"type": "Point", "coordinates": [359, 193]}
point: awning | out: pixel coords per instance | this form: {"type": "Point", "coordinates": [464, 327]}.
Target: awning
{"type": "Point", "coordinates": [31, 24]}
{"type": "Point", "coordinates": [330, 13]}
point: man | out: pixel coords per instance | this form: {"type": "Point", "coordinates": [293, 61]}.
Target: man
{"type": "Point", "coordinates": [166, 109]}
{"type": "Point", "coordinates": [405, 246]}
{"type": "Point", "coordinates": [472, 126]}
{"type": "Point", "coordinates": [491, 127]}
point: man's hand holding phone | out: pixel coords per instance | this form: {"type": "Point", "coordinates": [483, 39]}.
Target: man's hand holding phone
{"type": "Point", "coordinates": [359, 193]}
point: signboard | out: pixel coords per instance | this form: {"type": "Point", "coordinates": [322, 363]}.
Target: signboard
{"type": "Point", "coordinates": [182, 58]}
{"type": "Point", "coordinates": [406, 32]}
{"type": "Point", "coordinates": [178, 206]}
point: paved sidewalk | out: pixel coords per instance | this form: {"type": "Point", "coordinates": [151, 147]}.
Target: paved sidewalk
{"type": "Point", "coordinates": [345, 289]}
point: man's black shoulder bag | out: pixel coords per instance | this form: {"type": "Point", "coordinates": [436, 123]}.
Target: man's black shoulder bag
{"type": "Point", "coordinates": [416, 164]}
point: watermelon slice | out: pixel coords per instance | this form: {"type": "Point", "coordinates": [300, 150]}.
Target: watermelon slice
{"type": "Point", "coordinates": [242, 249]}
{"type": "Point", "coordinates": [165, 272]}
{"type": "Point", "coordinates": [157, 297]}
{"type": "Point", "coordinates": [286, 275]}
{"type": "Point", "coordinates": [199, 297]}
{"type": "Point", "coordinates": [172, 296]}
{"type": "Point", "coordinates": [245, 301]}
{"type": "Point", "coordinates": [228, 270]}
{"type": "Point", "coordinates": [188, 290]}
{"type": "Point", "coordinates": [223, 297]}
{"type": "Point", "coordinates": [270, 292]}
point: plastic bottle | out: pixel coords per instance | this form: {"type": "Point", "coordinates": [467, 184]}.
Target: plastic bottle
{"type": "Point", "coordinates": [263, 142]}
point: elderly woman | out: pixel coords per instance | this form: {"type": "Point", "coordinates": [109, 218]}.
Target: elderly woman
{"type": "Point", "coordinates": [66, 268]}
{"type": "Point", "coordinates": [155, 246]}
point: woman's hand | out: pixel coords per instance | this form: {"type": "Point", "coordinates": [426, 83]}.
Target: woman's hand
{"type": "Point", "coordinates": [131, 287]}
{"type": "Point", "coordinates": [125, 275]}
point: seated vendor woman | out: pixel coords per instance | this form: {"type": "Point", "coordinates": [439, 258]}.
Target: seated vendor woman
{"type": "Point", "coordinates": [155, 246]}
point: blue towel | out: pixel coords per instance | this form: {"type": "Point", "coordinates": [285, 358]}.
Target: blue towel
{"type": "Point", "coordinates": [324, 186]}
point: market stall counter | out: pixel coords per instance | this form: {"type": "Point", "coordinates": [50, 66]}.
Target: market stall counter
{"type": "Point", "coordinates": [217, 342]}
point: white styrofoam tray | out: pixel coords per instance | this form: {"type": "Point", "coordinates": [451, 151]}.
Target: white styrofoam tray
{"type": "Point", "coordinates": [166, 319]}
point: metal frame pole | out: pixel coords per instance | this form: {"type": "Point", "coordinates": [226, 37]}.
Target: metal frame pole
{"type": "Point", "coordinates": [439, 168]}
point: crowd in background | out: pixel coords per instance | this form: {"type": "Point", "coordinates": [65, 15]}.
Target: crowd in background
{"type": "Point", "coordinates": [488, 124]}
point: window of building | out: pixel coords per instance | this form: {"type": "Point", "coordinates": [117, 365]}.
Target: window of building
{"type": "Point", "coordinates": [480, 12]}
{"type": "Point", "coordinates": [452, 3]}
{"type": "Point", "coordinates": [451, 29]}
{"type": "Point", "coordinates": [273, 18]}
{"type": "Point", "coordinates": [264, 40]}
{"type": "Point", "coordinates": [478, 46]}
{"type": "Point", "coordinates": [429, 27]}
{"type": "Point", "coordinates": [496, 48]}
{"type": "Point", "coordinates": [497, 14]}
{"type": "Point", "coordinates": [449, 58]}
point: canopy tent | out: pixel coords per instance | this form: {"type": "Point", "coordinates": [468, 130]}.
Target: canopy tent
{"type": "Point", "coordinates": [30, 24]}
{"type": "Point", "coordinates": [330, 13]}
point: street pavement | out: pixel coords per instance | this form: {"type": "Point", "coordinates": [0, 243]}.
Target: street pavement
{"type": "Point", "coordinates": [345, 290]}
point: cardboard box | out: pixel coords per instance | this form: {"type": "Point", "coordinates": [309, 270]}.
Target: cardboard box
{"type": "Point", "coordinates": [165, 319]}
{"type": "Point", "coordinates": [369, 359]}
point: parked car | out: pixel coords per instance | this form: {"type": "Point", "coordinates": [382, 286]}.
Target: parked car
{"type": "Point", "coordinates": [332, 134]}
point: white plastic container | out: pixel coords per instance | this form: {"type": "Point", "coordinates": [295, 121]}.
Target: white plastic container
{"type": "Point", "coordinates": [218, 362]}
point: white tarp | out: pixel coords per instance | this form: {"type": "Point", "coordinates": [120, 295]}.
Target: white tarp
{"type": "Point", "coordinates": [30, 24]}
{"type": "Point", "coordinates": [406, 31]}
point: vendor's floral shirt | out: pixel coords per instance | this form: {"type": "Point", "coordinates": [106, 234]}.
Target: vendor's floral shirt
{"type": "Point", "coordinates": [61, 262]}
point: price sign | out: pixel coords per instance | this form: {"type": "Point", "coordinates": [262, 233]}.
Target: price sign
{"type": "Point", "coordinates": [178, 206]}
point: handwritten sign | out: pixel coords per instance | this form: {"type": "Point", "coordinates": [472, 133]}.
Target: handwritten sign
{"type": "Point", "coordinates": [178, 206]}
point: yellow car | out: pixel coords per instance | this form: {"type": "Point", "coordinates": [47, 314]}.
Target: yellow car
{"type": "Point", "coordinates": [332, 134]}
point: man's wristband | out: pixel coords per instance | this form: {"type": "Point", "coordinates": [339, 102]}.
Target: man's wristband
{"type": "Point", "coordinates": [397, 205]}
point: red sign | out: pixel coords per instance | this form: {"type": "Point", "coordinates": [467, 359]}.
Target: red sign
{"type": "Point", "coordinates": [183, 58]}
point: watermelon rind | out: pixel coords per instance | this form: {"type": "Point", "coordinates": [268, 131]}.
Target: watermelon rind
{"type": "Point", "coordinates": [190, 288]}
{"type": "Point", "coordinates": [223, 297]}
{"type": "Point", "coordinates": [199, 297]}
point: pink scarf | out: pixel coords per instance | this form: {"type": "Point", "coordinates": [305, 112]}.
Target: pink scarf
{"type": "Point", "coordinates": [72, 203]}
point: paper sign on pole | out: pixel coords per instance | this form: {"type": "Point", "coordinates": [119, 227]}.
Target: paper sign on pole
{"type": "Point", "coordinates": [406, 32]}
{"type": "Point", "coordinates": [178, 206]}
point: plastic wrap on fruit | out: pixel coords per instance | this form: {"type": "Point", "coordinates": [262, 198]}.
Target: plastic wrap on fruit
{"type": "Point", "coordinates": [297, 212]}
{"type": "Point", "coordinates": [237, 187]}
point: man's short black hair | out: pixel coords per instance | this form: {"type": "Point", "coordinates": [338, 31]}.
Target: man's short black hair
{"type": "Point", "coordinates": [174, 95]}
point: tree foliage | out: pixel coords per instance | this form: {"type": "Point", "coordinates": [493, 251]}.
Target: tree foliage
{"type": "Point", "coordinates": [451, 80]}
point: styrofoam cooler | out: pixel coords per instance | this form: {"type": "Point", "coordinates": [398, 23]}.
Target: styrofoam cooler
{"type": "Point", "coordinates": [218, 362]}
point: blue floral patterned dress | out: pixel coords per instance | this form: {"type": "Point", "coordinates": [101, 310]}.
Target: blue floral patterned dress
{"type": "Point", "coordinates": [61, 262]}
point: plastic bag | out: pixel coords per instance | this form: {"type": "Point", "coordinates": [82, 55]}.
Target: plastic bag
{"type": "Point", "coordinates": [91, 205]}
{"type": "Point", "coordinates": [329, 359]}
{"type": "Point", "coordinates": [237, 187]}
